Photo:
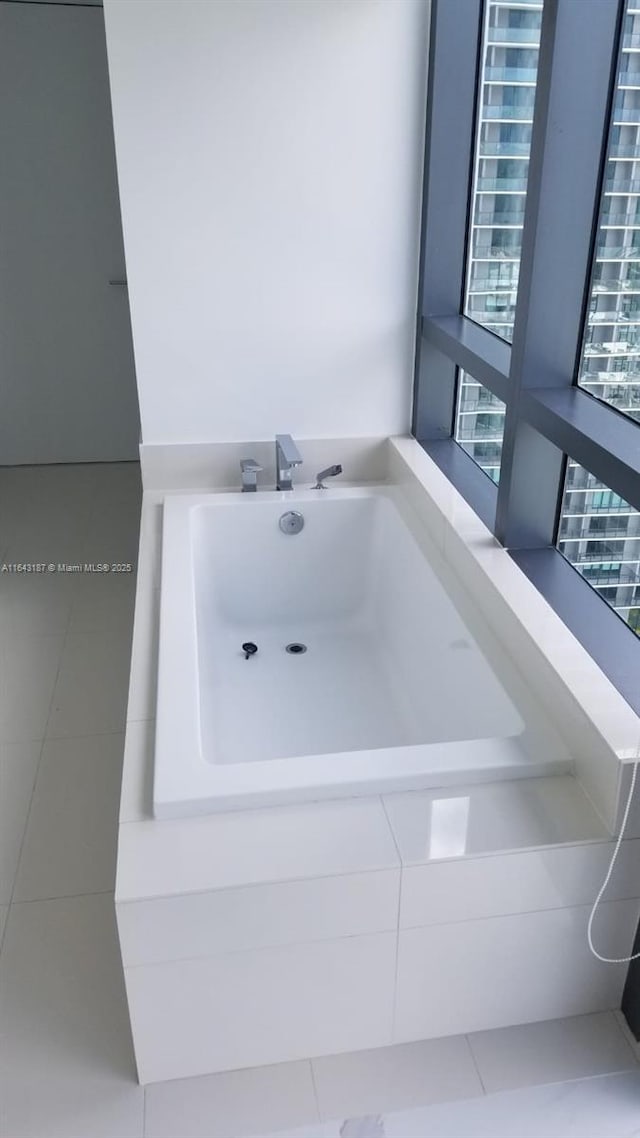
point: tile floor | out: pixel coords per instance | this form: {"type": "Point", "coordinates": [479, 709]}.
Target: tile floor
{"type": "Point", "coordinates": [66, 1061]}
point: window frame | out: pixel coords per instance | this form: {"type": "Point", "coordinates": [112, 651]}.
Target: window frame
{"type": "Point", "coordinates": [549, 419]}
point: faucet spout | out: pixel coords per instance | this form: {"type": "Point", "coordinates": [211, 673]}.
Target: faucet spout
{"type": "Point", "coordinates": [287, 456]}
{"type": "Point", "coordinates": [330, 472]}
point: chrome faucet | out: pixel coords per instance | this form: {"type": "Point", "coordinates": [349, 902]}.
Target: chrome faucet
{"type": "Point", "coordinates": [330, 472]}
{"type": "Point", "coordinates": [250, 470]}
{"type": "Point", "coordinates": [287, 456]}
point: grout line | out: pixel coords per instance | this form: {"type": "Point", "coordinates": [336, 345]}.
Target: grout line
{"type": "Point", "coordinates": [625, 1031]}
{"type": "Point", "coordinates": [5, 926]}
{"type": "Point", "coordinates": [394, 1002]}
{"type": "Point", "coordinates": [475, 1062]}
{"type": "Point", "coordinates": [26, 820]}
{"type": "Point", "coordinates": [64, 897]}
{"type": "Point", "coordinates": [315, 1090]}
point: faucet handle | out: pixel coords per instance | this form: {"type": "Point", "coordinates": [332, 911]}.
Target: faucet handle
{"type": "Point", "coordinates": [250, 470]}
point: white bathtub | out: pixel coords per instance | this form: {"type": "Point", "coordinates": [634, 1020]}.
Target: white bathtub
{"type": "Point", "coordinates": [392, 692]}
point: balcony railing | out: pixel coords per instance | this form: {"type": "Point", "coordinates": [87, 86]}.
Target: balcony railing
{"type": "Point", "coordinates": [625, 577]}
{"type": "Point", "coordinates": [524, 113]}
{"type": "Point", "coordinates": [622, 186]}
{"type": "Point", "coordinates": [626, 114]}
{"type": "Point", "coordinates": [619, 150]}
{"type": "Point", "coordinates": [628, 78]}
{"type": "Point", "coordinates": [621, 220]}
{"type": "Point", "coordinates": [501, 219]}
{"type": "Point", "coordinates": [489, 149]}
{"type": "Point", "coordinates": [486, 281]}
{"type": "Point", "coordinates": [502, 185]}
{"type": "Point", "coordinates": [611, 349]}
{"type": "Point", "coordinates": [630, 287]}
{"type": "Point", "coordinates": [618, 252]}
{"type": "Point", "coordinates": [475, 434]}
{"type": "Point", "coordinates": [514, 35]}
{"type": "Point", "coordinates": [511, 74]}
{"type": "Point", "coordinates": [473, 406]}
{"type": "Point", "coordinates": [630, 39]}
{"type": "Point", "coordinates": [477, 312]}
{"type": "Point", "coordinates": [509, 252]}
{"type": "Point", "coordinates": [612, 316]}
{"type": "Point", "coordinates": [594, 535]}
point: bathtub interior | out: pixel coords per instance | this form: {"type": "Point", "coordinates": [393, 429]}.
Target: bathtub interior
{"type": "Point", "coordinates": [389, 661]}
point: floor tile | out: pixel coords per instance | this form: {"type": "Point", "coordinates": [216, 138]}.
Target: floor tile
{"type": "Point", "coordinates": [67, 1063]}
{"type": "Point", "coordinates": [392, 1078]}
{"type": "Point", "coordinates": [606, 1107]}
{"type": "Point", "coordinates": [634, 1043]}
{"type": "Point", "coordinates": [70, 841]}
{"type": "Point", "coordinates": [18, 766]}
{"type": "Point", "coordinates": [233, 1104]}
{"type": "Point", "coordinates": [28, 670]}
{"type": "Point", "coordinates": [51, 532]}
{"type": "Point", "coordinates": [91, 691]}
{"type": "Point", "coordinates": [103, 602]}
{"type": "Point", "coordinates": [4, 909]}
{"type": "Point", "coordinates": [551, 1051]}
{"type": "Point", "coordinates": [116, 480]}
{"type": "Point", "coordinates": [114, 526]}
{"type": "Point", "coordinates": [35, 604]}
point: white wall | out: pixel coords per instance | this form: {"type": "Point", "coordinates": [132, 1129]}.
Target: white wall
{"type": "Point", "coordinates": [269, 157]}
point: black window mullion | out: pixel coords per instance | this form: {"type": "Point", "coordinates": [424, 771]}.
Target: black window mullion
{"type": "Point", "coordinates": [597, 436]}
{"type": "Point", "coordinates": [575, 77]}
{"type": "Point", "coordinates": [451, 95]}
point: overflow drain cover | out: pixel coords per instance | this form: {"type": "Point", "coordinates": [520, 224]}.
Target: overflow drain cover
{"type": "Point", "coordinates": [291, 522]}
{"type": "Point", "coordinates": [296, 649]}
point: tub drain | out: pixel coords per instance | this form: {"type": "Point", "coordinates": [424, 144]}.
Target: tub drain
{"type": "Point", "coordinates": [296, 649]}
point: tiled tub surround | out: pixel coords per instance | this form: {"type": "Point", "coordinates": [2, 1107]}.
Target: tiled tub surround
{"type": "Point", "coordinates": [259, 936]}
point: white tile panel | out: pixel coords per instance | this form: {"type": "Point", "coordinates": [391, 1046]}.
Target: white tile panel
{"type": "Point", "coordinates": [249, 1008]}
{"type": "Point", "coordinates": [471, 888]}
{"type": "Point", "coordinates": [505, 970]}
{"type": "Point", "coordinates": [250, 847]}
{"type": "Point", "coordinates": [228, 920]}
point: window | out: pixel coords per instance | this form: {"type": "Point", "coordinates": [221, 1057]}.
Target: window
{"type": "Point", "coordinates": [480, 424]}
{"type": "Point", "coordinates": [613, 323]}
{"type": "Point", "coordinates": [604, 547]}
{"type": "Point", "coordinates": [501, 166]}
{"type": "Point", "coordinates": [543, 399]}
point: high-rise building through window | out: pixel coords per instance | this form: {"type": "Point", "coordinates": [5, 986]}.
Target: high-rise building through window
{"type": "Point", "coordinates": [509, 70]}
{"type": "Point", "coordinates": [598, 533]}
{"type": "Point", "coordinates": [610, 365]}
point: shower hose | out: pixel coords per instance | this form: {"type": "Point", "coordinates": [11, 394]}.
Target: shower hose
{"type": "Point", "coordinates": [625, 818]}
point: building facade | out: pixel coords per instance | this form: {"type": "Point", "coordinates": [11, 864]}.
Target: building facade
{"type": "Point", "coordinates": [599, 533]}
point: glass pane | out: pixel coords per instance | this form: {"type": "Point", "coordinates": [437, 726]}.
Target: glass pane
{"type": "Point", "coordinates": [503, 140]}
{"type": "Point", "coordinates": [600, 535]}
{"type": "Point", "coordinates": [480, 424]}
{"type": "Point", "coordinates": [610, 364]}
